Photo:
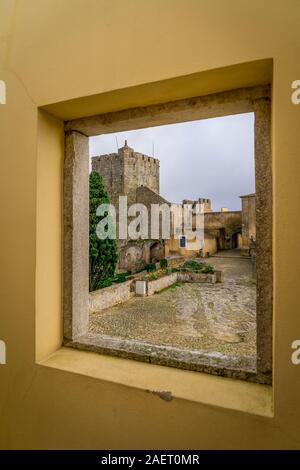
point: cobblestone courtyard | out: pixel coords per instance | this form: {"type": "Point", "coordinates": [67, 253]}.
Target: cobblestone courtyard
{"type": "Point", "coordinates": [216, 318]}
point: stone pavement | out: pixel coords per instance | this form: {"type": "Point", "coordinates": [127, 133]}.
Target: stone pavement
{"type": "Point", "coordinates": [216, 318]}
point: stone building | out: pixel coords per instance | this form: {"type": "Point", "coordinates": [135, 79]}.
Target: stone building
{"type": "Point", "coordinates": [222, 231]}
{"type": "Point", "coordinates": [201, 200]}
{"type": "Point", "coordinates": [135, 175]}
{"type": "Point", "coordinates": [125, 171]}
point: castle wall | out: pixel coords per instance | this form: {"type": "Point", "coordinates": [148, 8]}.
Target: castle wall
{"type": "Point", "coordinates": [125, 171]}
{"type": "Point", "coordinates": [132, 174]}
{"type": "Point", "coordinates": [111, 168]}
{"type": "Point", "coordinates": [248, 219]}
{"type": "Point", "coordinates": [140, 170]}
{"type": "Point", "coordinates": [231, 221]}
{"type": "Point", "coordinates": [206, 203]}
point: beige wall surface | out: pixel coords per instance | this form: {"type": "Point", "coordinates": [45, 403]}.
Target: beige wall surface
{"type": "Point", "coordinates": [58, 50]}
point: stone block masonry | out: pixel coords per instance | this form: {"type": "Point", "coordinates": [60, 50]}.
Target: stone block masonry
{"type": "Point", "coordinates": [123, 172]}
{"type": "Point", "coordinates": [119, 293]}
{"type": "Point", "coordinates": [110, 296]}
{"type": "Point", "coordinates": [197, 277]}
{"type": "Point", "coordinates": [161, 283]}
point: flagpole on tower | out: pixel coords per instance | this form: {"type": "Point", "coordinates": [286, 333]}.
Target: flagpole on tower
{"type": "Point", "coordinates": [117, 143]}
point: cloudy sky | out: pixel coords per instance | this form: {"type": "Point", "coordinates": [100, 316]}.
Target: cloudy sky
{"type": "Point", "coordinates": [211, 158]}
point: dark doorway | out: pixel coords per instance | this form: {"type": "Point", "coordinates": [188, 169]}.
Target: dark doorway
{"type": "Point", "coordinates": [221, 239]}
{"type": "Point", "coordinates": [234, 240]}
{"type": "Point", "coordinates": [156, 252]}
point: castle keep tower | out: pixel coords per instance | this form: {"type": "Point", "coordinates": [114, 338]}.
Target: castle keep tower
{"type": "Point", "coordinates": [125, 171]}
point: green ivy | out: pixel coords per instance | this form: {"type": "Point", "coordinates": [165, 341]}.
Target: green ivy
{"type": "Point", "coordinates": [103, 254]}
{"type": "Point", "coordinates": [121, 277]}
{"type": "Point", "coordinates": [163, 263]}
{"type": "Point", "coordinates": [150, 267]}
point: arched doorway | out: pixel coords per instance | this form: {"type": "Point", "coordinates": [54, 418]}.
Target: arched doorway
{"type": "Point", "coordinates": [157, 252]}
{"type": "Point", "coordinates": [235, 240]}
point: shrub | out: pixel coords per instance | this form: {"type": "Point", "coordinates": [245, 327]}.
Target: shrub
{"type": "Point", "coordinates": [163, 263]}
{"type": "Point", "coordinates": [150, 267]}
{"type": "Point", "coordinates": [105, 283]}
{"type": "Point", "coordinates": [193, 265]}
{"type": "Point", "coordinates": [103, 255]}
{"type": "Point", "coordinates": [208, 269]}
{"type": "Point", "coordinates": [167, 271]}
{"type": "Point", "coordinates": [121, 277]}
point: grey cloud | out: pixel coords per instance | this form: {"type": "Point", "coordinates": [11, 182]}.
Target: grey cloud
{"type": "Point", "coordinates": [211, 158]}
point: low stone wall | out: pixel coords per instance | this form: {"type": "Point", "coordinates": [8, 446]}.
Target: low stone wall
{"type": "Point", "coordinates": [110, 296]}
{"type": "Point", "coordinates": [161, 283]}
{"type": "Point", "coordinates": [196, 277]}
{"type": "Point", "coordinates": [118, 293]}
{"type": "Point", "coordinates": [166, 281]}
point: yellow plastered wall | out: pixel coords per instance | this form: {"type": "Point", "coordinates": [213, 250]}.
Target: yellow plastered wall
{"type": "Point", "coordinates": [58, 50]}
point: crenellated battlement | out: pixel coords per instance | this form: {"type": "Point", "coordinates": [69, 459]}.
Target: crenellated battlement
{"type": "Point", "coordinates": [123, 172]}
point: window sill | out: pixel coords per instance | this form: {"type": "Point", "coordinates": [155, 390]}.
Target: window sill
{"type": "Point", "coordinates": [238, 367]}
{"type": "Point", "coordinates": [167, 382]}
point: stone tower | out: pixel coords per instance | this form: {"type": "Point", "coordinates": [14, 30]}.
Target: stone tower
{"type": "Point", "coordinates": [125, 171]}
{"type": "Point", "coordinates": [201, 200]}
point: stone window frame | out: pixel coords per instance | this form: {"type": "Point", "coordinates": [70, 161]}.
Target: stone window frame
{"type": "Point", "coordinates": [182, 242]}
{"type": "Point", "coordinates": [76, 224]}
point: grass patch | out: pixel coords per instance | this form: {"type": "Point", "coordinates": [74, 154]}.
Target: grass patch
{"type": "Point", "coordinates": [171, 287]}
{"type": "Point", "coordinates": [192, 265]}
